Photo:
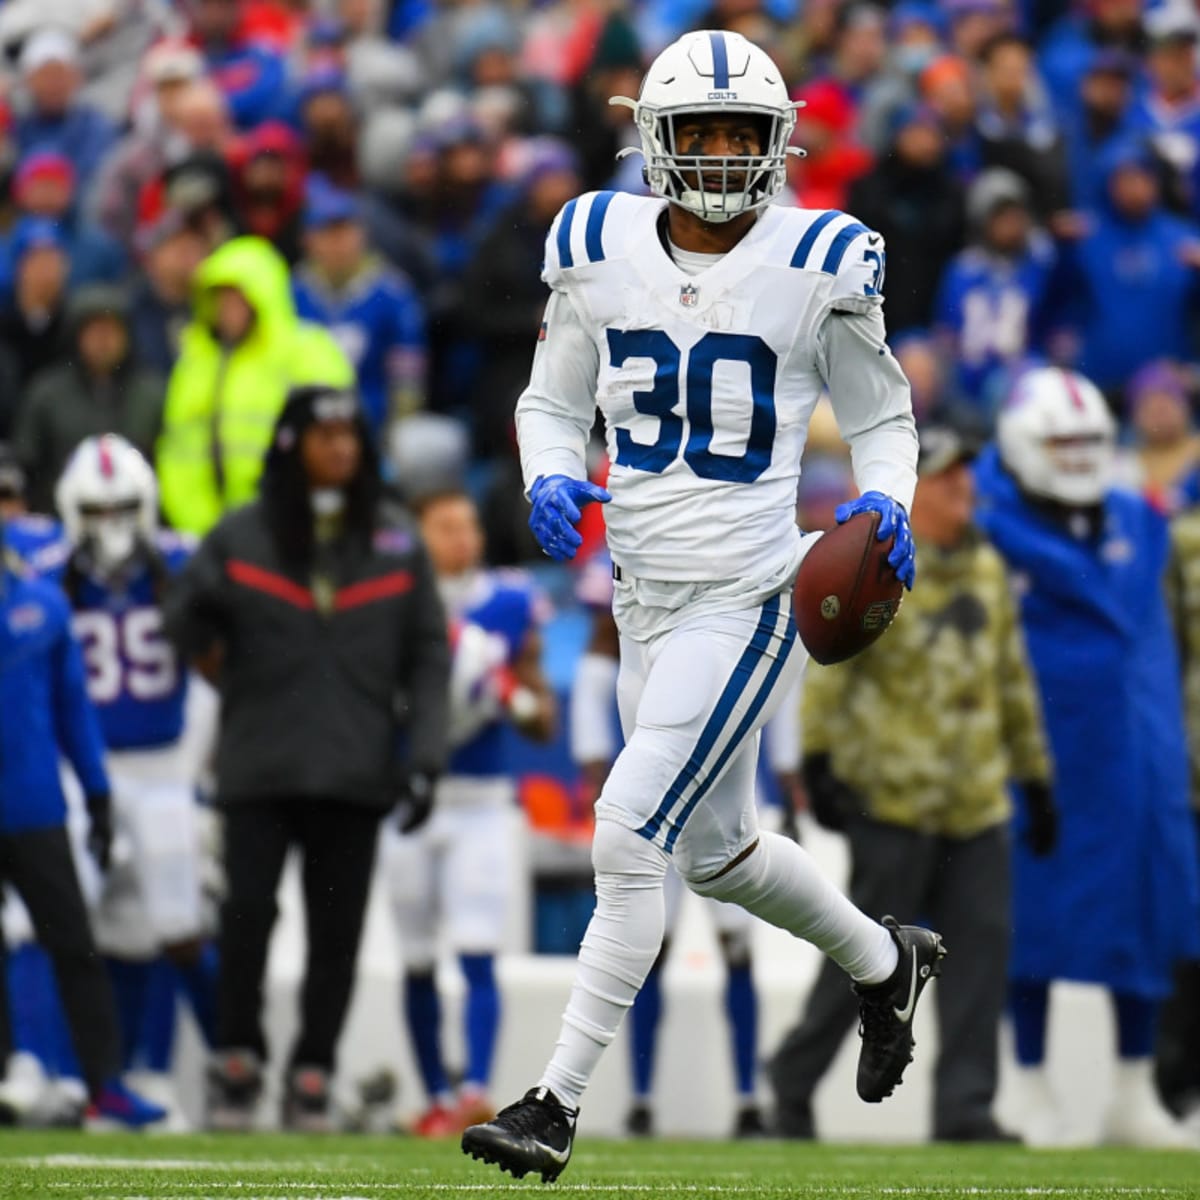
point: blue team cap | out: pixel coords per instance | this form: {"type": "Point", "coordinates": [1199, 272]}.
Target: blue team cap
{"type": "Point", "coordinates": [325, 205]}
{"type": "Point", "coordinates": [1127, 152]}
{"type": "Point", "coordinates": [35, 233]}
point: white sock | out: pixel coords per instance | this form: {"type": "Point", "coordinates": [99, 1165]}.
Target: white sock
{"type": "Point", "coordinates": [780, 883]}
{"type": "Point", "coordinates": [622, 941]}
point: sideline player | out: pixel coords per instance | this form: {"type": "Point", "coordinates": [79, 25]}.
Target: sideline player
{"type": "Point", "coordinates": [151, 904]}
{"type": "Point", "coordinates": [704, 323]}
{"type": "Point", "coordinates": [455, 872]}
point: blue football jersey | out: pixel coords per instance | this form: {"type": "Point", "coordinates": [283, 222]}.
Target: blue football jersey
{"type": "Point", "coordinates": [505, 603]}
{"type": "Point", "coordinates": [380, 325]}
{"type": "Point", "coordinates": [135, 678]}
{"type": "Point", "coordinates": [993, 311]}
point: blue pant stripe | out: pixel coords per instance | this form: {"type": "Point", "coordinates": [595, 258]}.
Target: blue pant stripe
{"type": "Point", "coordinates": [720, 715]}
{"type": "Point", "coordinates": [839, 246]}
{"type": "Point", "coordinates": [789, 638]}
{"type": "Point", "coordinates": [809, 240]}
{"type": "Point", "coordinates": [565, 258]}
{"type": "Point", "coordinates": [594, 243]}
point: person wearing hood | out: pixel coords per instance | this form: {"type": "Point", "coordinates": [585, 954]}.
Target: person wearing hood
{"type": "Point", "coordinates": [315, 612]}
{"type": "Point", "coordinates": [1128, 286]}
{"type": "Point", "coordinates": [912, 198]}
{"type": "Point", "coordinates": [268, 170]}
{"type": "Point", "coordinates": [243, 349]}
{"type": "Point", "coordinates": [97, 387]}
{"type": "Point", "coordinates": [32, 326]}
{"type": "Point", "coordinates": [989, 306]}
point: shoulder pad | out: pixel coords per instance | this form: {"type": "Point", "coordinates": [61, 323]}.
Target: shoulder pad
{"type": "Point", "coordinates": [835, 244]}
{"type": "Point", "coordinates": [580, 236]}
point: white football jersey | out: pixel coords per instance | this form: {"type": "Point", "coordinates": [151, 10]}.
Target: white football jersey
{"type": "Point", "coordinates": [707, 381]}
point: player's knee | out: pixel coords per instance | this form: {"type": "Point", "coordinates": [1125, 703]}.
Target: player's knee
{"type": "Point", "coordinates": [734, 883]}
{"type": "Point", "coordinates": [618, 852]}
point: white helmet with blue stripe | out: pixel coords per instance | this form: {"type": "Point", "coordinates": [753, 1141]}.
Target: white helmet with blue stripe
{"type": "Point", "coordinates": [711, 71]}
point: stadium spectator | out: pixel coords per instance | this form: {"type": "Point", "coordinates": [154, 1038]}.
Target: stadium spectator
{"type": "Point", "coordinates": [57, 119]}
{"type": "Point", "coordinates": [990, 305]}
{"type": "Point", "coordinates": [31, 329]}
{"type": "Point", "coordinates": [833, 159]}
{"type": "Point", "coordinates": [1178, 1051]}
{"type": "Point", "coordinates": [100, 387]}
{"type": "Point", "coordinates": [506, 297]}
{"type": "Point", "coordinates": [911, 198]}
{"type": "Point", "coordinates": [916, 30]}
{"type": "Point", "coordinates": [371, 310]}
{"type": "Point", "coordinates": [44, 186]}
{"type": "Point", "coordinates": [1099, 119]}
{"type": "Point", "coordinates": [1117, 902]}
{"type": "Point", "coordinates": [1167, 112]}
{"type": "Point", "coordinates": [247, 69]}
{"type": "Point", "coordinates": [973, 23]}
{"type": "Point", "coordinates": [45, 713]}
{"type": "Point", "coordinates": [184, 114]}
{"type": "Point", "coordinates": [239, 354]}
{"type": "Point", "coordinates": [1165, 448]}
{"type": "Point", "coordinates": [1069, 48]}
{"type": "Point", "coordinates": [329, 126]}
{"type": "Point", "coordinates": [1017, 129]}
{"type": "Point", "coordinates": [341, 608]}
{"type": "Point", "coordinates": [170, 252]}
{"type": "Point", "coordinates": [1128, 286]}
{"type": "Point", "coordinates": [268, 173]}
{"type": "Point", "coordinates": [947, 87]}
{"type": "Point", "coordinates": [925, 806]}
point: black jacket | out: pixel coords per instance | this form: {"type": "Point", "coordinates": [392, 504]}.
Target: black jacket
{"type": "Point", "coordinates": [312, 703]}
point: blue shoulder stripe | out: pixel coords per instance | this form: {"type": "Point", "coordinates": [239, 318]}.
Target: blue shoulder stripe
{"type": "Point", "coordinates": [565, 258]}
{"type": "Point", "coordinates": [839, 246]}
{"type": "Point", "coordinates": [595, 225]}
{"type": "Point", "coordinates": [804, 249]}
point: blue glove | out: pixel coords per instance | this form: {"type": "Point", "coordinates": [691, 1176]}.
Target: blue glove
{"type": "Point", "coordinates": [892, 520]}
{"type": "Point", "coordinates": [557, 500]}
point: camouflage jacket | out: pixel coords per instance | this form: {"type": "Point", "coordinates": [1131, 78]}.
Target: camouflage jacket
{"type": "Point", "coordinates": [931, 722]}
{"type": "Point", "coordinates": [1183, 595]}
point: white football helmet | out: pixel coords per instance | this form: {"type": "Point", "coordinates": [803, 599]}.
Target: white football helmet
{"type": "Point", "coordinates": [711, 71]}
{"type": "Point", "coordinates": [1058, 437]}
{"type": "Point", "coordinates": [107, 497]}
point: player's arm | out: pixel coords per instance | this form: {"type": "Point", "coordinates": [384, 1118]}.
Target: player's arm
{"type": "Point", "coordinates": [76, 725]}
{"type": "Point", "coordinates": [532, 706]}
{"type": "Point", "coordinates": [555, 414]}
{"type": "Point", "coordinates": [870, 397]}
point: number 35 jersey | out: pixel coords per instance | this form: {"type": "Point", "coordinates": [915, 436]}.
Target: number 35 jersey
{"type": "Point", "coordinates": [707, 381]}
{"type": "Point", "coordinates": [134, 675]}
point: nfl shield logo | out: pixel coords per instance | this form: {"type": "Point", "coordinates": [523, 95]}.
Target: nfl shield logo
{"type": "Point", "coordinates": [689, 295]}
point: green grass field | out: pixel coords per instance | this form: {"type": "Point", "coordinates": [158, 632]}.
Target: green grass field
{"type": "Point", "coordinates": [79, 1167]}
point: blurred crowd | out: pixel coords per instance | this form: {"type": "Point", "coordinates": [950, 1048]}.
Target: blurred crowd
{"type": "Point", "coordinates": [209, 206]}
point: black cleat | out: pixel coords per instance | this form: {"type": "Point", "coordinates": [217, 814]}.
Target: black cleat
{"type": "Point", "coordinates": [640, 1121]}
{"type": "Point", "coordinates": [535, 1134]}
{"type": "Point", "coordinates": [885, 1010]}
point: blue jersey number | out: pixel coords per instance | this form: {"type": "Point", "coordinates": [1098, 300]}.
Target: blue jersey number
{"type": "Point", "coordinates": [660, 402]}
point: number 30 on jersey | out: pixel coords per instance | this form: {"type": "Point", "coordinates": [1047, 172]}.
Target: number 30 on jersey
{"type": "Point", "coordinates": [696, 370]}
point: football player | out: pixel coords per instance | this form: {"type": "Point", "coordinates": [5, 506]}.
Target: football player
{"type": "Point", "coordinates": [705, 322]}
{"type": "Point", "coordinates": [152, 903]}
{"type": "Point", "coordinates": [455, 873]}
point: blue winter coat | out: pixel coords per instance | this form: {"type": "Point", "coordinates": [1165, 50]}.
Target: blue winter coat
{"type": "Point", "coordinates": [1118, 902]}
{"type": "Point", "coordinates": [44, 707]}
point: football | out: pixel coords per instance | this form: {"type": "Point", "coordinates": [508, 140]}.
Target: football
{"type": "Point", "coordinates": [846, 592]}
